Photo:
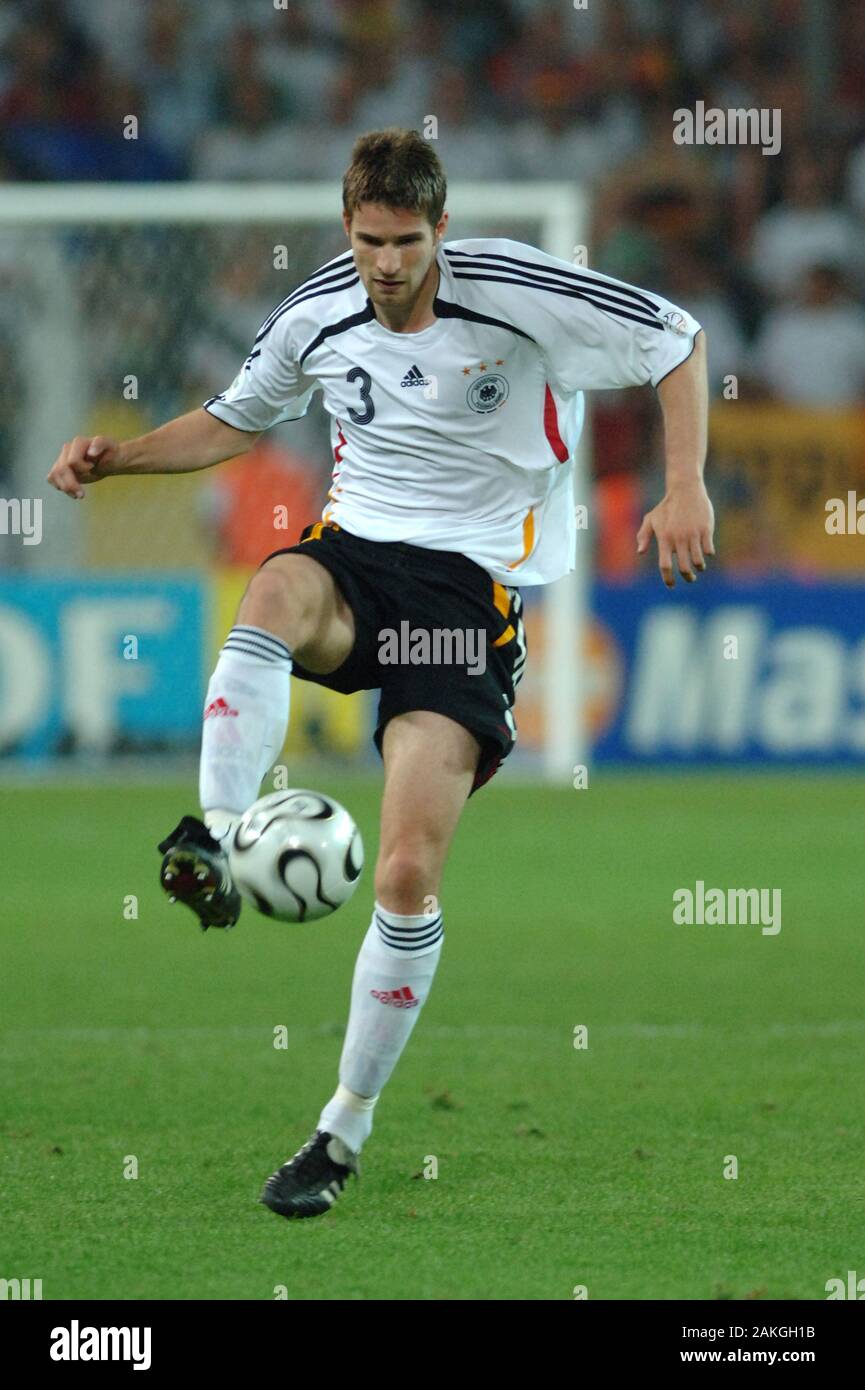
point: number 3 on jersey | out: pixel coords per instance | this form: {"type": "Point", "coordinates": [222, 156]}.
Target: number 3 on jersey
{"type": "Point", "coordinates": [362, 417]}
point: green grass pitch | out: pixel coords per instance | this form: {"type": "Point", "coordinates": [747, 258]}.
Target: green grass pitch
{"type": "Point", "coordinates": [600, 1167]}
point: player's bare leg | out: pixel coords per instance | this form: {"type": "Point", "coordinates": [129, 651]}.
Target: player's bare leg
{"type": "Point", "coordinates": [292, 607]}
{"type": "Point", "coordinates": [429, 767]}
{"type": "Point", "coordinates": [296, 599]}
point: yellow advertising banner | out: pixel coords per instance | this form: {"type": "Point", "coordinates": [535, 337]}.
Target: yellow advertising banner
{"type": "Point", "coordinates": [786, 483]}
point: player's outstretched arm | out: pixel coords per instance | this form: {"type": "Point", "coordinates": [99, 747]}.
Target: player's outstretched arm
{"type": "Point", "coordinates": [192, 441]}
{"type": "Point", "coordinates": [683, 521]}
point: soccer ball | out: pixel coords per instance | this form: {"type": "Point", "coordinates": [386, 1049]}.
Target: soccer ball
{"type": "Point", "coordinates": [296, 855]}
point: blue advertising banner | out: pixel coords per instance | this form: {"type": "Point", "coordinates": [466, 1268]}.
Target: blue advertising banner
{"type": "Point", "coordinates": [98, 664]}
{"type": "Point", "coordinates": [715, 672]}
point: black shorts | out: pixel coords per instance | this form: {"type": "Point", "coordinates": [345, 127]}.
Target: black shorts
{"type": "Point", "coordinates": [433, 631]}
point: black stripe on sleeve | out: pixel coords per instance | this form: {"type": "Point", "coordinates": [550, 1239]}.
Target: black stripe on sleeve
{"type": "Point", "coordinates": [608, 308]}
{"type": "Point", "coordinates": [346, 280]}
{"type": "Point", "coordinates": [337, 267]}
{"type": "Point", "coordinates": [574, 276]}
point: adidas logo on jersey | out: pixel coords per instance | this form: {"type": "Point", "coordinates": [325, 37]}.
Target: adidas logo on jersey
{"type": "Point", "coordinates": [414, 377]}
{"type": "Point", "coordinates": [400, 998]}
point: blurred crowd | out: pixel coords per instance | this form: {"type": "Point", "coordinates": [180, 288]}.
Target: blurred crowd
{"type": "Point", "coordinates": [767, 251]}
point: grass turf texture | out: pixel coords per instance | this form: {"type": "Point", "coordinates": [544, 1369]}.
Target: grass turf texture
{"type": "Point", "coordinates": [557, 1167]}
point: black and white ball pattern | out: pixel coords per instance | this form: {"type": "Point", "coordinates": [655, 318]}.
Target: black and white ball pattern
{"type": "Point", "coordinates": [296, 855]}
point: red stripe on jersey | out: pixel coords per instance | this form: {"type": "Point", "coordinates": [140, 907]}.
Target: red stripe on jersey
{"type": "Point", "coordinates": [337, 453]}
{"type": "Point", "coordinates": [551, 428]}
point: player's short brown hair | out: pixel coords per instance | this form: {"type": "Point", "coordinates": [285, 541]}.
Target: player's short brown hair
{"type": "Point", "coordinates": [398, 169]}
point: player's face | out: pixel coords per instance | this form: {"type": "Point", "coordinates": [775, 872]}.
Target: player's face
{"type": "Point", "coordinates": [394, 252]}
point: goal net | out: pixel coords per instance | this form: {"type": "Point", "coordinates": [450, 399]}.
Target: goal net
{"type": "Point", "coordinates": [127, 305]}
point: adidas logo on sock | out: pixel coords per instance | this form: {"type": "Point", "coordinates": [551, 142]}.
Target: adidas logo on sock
{"type": "Point", "coordinates": [414, 377]}
{"type": "Point", "coordinates": [400, 998]}
{"type": "Point", "coordinates": [219, 706]}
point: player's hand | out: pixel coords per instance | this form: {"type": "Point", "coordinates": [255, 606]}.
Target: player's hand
{"type": "Point", "coordinates": [83, 460]}
{"type": "Point", "coordinates": [683, 523]}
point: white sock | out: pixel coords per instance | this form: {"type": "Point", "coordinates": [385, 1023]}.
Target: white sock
{"type": "Point", "coordinates": [245, 722]}
{"type": "Point", "coordinates": [392, 978]}
{"type": "Point", "coordinates": [220, 821]}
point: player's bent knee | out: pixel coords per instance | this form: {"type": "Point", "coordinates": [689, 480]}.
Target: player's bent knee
{"type": "Point", "coordinates": [267, 602]}
{"type": "Point", "coordinates": [406, 878]}
{"type": "Point", "coordinates": [281, 600]}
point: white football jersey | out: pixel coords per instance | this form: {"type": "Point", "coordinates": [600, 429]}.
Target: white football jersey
{"type": "Point", "coordinates": [460, 437]}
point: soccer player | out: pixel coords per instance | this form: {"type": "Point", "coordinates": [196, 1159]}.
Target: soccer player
{"type": "Point", "coordinates": [453, 374]}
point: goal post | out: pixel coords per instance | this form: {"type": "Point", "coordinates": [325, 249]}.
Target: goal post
{"type": "Point", "coordinates": [72, 296]}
